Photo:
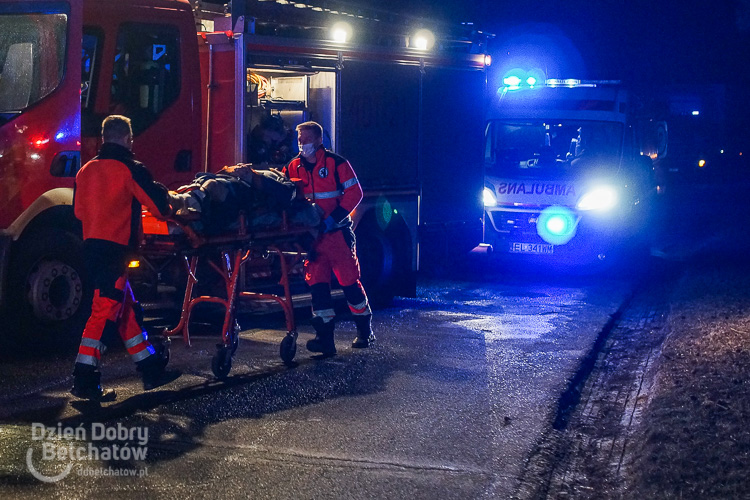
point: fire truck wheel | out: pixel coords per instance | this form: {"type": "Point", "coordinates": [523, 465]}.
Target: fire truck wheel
{"type": "Point", "coordinates": [50, 292]}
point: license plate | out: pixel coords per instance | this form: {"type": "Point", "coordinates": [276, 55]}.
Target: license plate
{"type": "Point", "coordinates": [535, 248]}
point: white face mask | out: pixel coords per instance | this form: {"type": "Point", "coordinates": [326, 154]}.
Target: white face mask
{"type": "Point", "coordinates": [307, 149]}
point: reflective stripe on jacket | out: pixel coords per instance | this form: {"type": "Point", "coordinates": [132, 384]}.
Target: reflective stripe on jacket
{"type": "Point", "coordinates": [331, 183]}
{"type": "Point", "coordinates": [109, 192]}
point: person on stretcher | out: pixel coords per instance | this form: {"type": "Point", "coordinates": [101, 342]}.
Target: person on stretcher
{"type": "Point", "coordinates": [211, 204]}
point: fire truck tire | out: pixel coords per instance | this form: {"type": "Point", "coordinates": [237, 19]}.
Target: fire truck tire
{"type": "Point", "coordinates": [49, 292]}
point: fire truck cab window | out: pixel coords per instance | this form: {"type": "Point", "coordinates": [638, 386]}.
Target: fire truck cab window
{"type": "Point", "coordinates": [146, 75]}
{"type": "Point", "coordinates": [32, 58]}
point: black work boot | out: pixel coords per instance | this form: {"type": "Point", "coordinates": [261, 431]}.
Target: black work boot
{"type": "Point", "coordinates": [153, 371]}
{"type": "Point", "coordinates": [87, 384]}
{"type": "Point", "coordinates": [323, 341]}
{"type": "Point", "coordinates": [365, 337]}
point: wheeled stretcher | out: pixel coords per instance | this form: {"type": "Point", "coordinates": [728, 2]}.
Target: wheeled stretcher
{"type": "Point", "coordinates": [226, 254]}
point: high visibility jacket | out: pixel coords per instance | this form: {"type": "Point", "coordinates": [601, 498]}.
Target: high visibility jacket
{"type": "Point", "coordinates": [109, 191]}
{"type": "Point", "coordinates": [331, 183]}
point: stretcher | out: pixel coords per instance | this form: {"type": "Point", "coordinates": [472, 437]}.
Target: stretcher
{"type": "Point", "coordinates": [226, 254]}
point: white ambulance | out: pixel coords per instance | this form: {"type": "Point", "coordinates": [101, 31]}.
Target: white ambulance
{"type": "Point", "coordinates": [569, 171]}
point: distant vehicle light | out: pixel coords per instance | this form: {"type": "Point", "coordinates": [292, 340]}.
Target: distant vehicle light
{"type": "Point", "coordinates": [696, 113]}
{"type": "Point", "coordinates": [487, 60]}
{"type": "Point", "coordinates": [134, 264]}
{"type": "Point", "coordinates": [600, 198]}
{"type": "Point", "coordinates": [531, 81]}
{"type": "Point", "coordinates": [701, 163]}
{"type": "Point", "coordinates": [489, 198]}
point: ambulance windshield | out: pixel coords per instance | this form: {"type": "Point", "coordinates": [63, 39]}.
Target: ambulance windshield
{"type": "Point", "coordinates": [515, 145]}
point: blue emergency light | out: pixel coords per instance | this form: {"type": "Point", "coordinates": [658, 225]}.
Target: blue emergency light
{"type": "Point", "coordinates": [556, 225]}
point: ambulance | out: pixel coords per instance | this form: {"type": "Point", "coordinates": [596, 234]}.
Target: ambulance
{"type": "Point", "coordinates": [569, 171]}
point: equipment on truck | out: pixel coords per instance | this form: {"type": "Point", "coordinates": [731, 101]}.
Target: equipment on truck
{"type": "Point", "coordinates": [569, 176]}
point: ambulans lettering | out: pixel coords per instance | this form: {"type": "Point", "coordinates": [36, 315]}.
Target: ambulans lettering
{"type": "Point", "coordinates": [536, 188]}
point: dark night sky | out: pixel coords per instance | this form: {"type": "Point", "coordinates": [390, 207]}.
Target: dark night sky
{"type": "Point", "coordinates": [645, 43]}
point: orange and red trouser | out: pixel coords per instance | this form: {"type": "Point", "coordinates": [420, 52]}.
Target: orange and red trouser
{"type": "Point", "coordinates": [336, 253]}
{"type": "Point", "coordinates": [113, 308]}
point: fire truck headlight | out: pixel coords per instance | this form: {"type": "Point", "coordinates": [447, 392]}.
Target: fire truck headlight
{"type": "Point", "coordinates": [599, 198]}
{"type": "Point", "coordinates": [423, 39]}
{"type": "Point", "coordinates": [489, 198]}
{"type": "Point", "coordinates": [341, 32]}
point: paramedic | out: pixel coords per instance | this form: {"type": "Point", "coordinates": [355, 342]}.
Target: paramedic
{"type": "Point", "coordinates": [328, 180]}
{"type": "Point", "coordinates": [108, 194]}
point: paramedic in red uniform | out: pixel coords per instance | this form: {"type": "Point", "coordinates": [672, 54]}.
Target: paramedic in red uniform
{"type": "Point", "coordinates": [109, 192]}
{"type": "Point", "coordinates": [329, 181]}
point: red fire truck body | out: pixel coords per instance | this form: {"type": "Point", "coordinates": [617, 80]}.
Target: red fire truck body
{"type": "Point", "coordinates": [409, 121]}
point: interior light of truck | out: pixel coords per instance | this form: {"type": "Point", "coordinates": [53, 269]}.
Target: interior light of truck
{"type": "Point", "coordinates": [134, 264]}
{"type": "Point", "coordinates": [701, 163]}
{"type": "Point", "coordinates": [423, 39]}
{"type": "Point", "coordinates": [489, 198]}
{"type": "Point", "coordinates": [556, 225]}
{"type": "Point", "coordinates": [598, 198]}
{"type": "Point", "coordinates": [341, 32]}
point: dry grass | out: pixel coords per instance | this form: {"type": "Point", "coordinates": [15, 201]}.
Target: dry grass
{"type": "Point", "coordinates": [695, 437]}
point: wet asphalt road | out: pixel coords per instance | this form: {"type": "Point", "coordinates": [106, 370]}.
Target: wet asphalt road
{"type": "Point", "coordinates": [448, 404]}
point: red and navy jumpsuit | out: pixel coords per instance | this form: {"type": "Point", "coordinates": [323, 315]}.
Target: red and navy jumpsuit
{"type": "Point", "coordinates": [332, 184]}
{"type": "Point", "coordinates": [109, 191]}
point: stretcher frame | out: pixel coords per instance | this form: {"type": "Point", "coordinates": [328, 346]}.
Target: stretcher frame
{"type": "Point", "coordinates": [235, 250]}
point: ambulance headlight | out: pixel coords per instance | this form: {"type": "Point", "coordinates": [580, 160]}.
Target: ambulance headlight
{"type": "Point", "coordinates": [599, 198]}
{"type": "Point", "coordinates": [489, 198]}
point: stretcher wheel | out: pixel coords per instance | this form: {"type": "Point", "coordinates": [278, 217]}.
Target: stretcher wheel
{"type": "Point", "coordinates": [221, 364]}
{"type": "Point", "coordinates": [161, 346]}
{"type": "Point", "coordinates": [288, 347]}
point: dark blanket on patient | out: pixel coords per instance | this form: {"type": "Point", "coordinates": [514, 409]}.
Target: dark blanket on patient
{"type": "Point", "coordinates": [212, 203]}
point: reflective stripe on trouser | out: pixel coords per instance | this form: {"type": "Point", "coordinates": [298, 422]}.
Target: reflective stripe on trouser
{"type": "Point", "coordinates": [322, 303]}
{"type": "Point", "coordinates": [106, 310]}
{"type": "Point", "coordinates": [325, 314]}
{"type": "Point", "coordinates": [131, 331]}
{"type": "Point", "coordinates": [333, 254]}
{"type": "Point", "coordinates": [356, 298]}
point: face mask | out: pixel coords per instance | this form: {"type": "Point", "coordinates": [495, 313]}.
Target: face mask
{"type": "Point", "coordinates": [308, 149]}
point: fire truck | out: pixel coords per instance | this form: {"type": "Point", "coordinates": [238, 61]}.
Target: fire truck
{"type": "Point", "coordinates": [570, 171]}
{"type": "Point", "coordinates": [405, 108]}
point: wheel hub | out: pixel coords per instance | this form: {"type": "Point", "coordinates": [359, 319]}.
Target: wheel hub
{"type": "Point", "coordinates": [55, 290]}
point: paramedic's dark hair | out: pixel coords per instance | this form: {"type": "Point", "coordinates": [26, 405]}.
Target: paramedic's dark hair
{"type": "Point", "coordinates": [116, 128]}
{"type": "Point", "coordinates": [314, 127]}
